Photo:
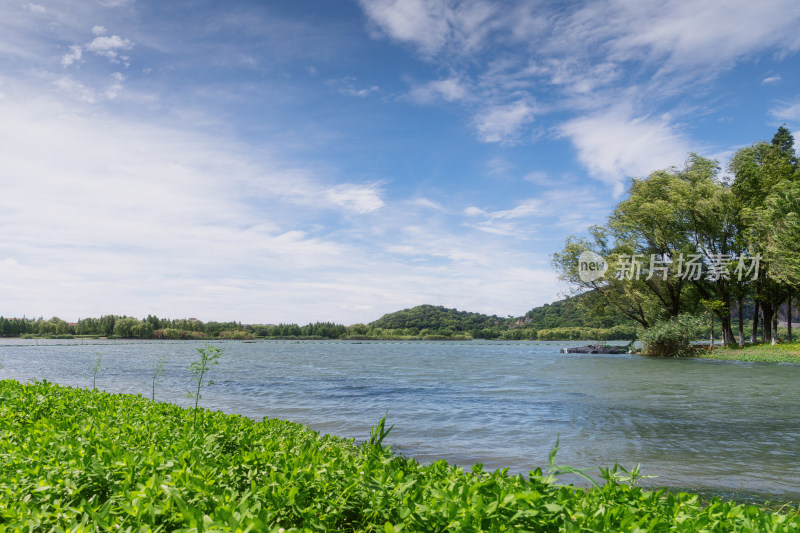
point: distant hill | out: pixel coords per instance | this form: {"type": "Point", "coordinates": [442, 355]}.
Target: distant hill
{"type": "Point", "coordinates": [582, 311]}
{"type": "Point", "coordinates": [585, 310]}
{"type": "Point", "coordinates": [438, 318]}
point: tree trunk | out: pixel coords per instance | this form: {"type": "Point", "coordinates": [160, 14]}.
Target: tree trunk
{"type": "Point", "coordinates": [775, 325]}
{"type": "Point", "coordinates": [789, 319]}
{"type": "Point", "coordinates": [768, 312]}
{"type": "Point", "coordinates": [754, 333]}
{"type": "Point", "coordinates": [741, 323]}
{"type": "Point", "coordinates": [727, 332]}
{"type": "Point", "coordinates": [711, 346]}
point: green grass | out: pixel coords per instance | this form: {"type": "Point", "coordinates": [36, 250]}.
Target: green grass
{"type": "Point", "coordinates": [82, 460]}
{"type": "Point", "coordinates": [762, 353]}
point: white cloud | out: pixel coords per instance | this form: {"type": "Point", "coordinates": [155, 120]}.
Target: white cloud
{"type": "Point", "coordinates": [75, 53]}
{"type": "Point", "coordinates": [573, 209]}
{"type": "Point", "coordinates": [499, 227]}
{"type": "Point", "coordinates": [115, 87]}
{"type": "Point", "coordinates": [104, 46]}
{"type": "Point", "coordinates": [428, 204]}
{"type": "Point", "coordinates": [788, 111]}
{"type": "Point", "coordinates": [679, 34]}
{"type": "Point", "coordinates": [431, 25]}
{"type": "Point", "coordinates": [300, 187]}
{"type": "Point", "coordinates": [79, 91]}
{"type": "Point", "coordinates": [449, 90]}
{"type": "Point", "coordinates": [115, 3]}
{"type": "Point", "coordinates": [361, 93]}
{"type": "Point", "coordinates": [526, 208]}
{"type": "Point", "coordinates": [771, 80]}
{"type": "Point", "coordinates": [132, 214]}
{"type": "Point", "coordinates": [582, 60]}
{"type": "Point", "coordinates": [615, 145]}
{"type": "Point", "coordinates": [35, 8]}
{"type": "Point", "coordinates": [422, 22]}
{"type": "Point", "coordinates": [542, 178]}
{"type": "Point", "coordinates": [503, 123]}
{"type": "Point", "coordinates": [113, 215]}
{"type": "Point", "coordinates": [498, 166]}
{"type": "Point", "coordinates": [504, 222]}
{"type": "Point", "coordinates": [75, 89]}
{"type": "Point", "coordinates": [109, 46]}
{"type": "Point", "coordinates": [359, 199]}
{"type": "Point", "coordinates": [347, 86]}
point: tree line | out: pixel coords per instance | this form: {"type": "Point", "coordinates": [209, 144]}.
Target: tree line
{"type": "Point", "coordinates": [562, 320]}
{"type": "Point", "coordinates": [692, 241]}
{"type": "Point", "coordinates": [153, 327]}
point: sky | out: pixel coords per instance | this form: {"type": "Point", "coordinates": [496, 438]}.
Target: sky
{"type": "Point", "coordinates": [308, 160]}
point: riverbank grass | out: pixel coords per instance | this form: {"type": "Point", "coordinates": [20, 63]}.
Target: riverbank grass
{"type": "Point", "coordinates": [760, 353]}
{"type": "Point", "coordinates": [84, 460]}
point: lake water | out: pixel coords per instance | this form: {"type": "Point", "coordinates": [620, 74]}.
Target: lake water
{"type": "Point", "coordinates": [731, 428]}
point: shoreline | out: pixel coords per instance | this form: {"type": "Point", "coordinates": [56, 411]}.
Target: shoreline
{"type": "Point", "coordinates": [785, 353]}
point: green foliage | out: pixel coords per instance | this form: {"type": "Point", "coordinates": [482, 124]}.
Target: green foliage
{"type": "Point", "coordinates": [440, 322]}
{"type": "Point", "coordinates": [760, 353]}
{"type": "Point", "coordinates": [238, 335]}
{"type": "Point", "coordinates": [671, 337]}
{"type": "Point", "coordinates": [678, 213]}
{"type": "Point", "coordinates": [669, 214]}
{"type": "Point", "coordinates": [377, 434]}
{"type": "Point", "coordinates": [586, 310]}
{"type": "Point", "coordinates": [424, 322]}
{"type": "Point", "coordinates": [209, 357]}
{"type": "Point", "coordinates": [79, 460]}
{"type": "Point", "coordinates": [777, 227]}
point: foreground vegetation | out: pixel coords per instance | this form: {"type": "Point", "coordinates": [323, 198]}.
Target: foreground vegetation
{"type": "Point", "coordinates": [757, 353]}
{"type": "Point", "coordinates": [75, 459]}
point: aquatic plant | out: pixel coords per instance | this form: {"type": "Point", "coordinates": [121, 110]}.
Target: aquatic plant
{"type": "Point", "coordinates": [671, 338]}
{"type": "Point", "coordinates": [209, 357]}
{"type": "Point", "coordinates": [96, 367]}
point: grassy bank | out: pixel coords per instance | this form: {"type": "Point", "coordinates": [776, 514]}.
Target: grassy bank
{"type": "Point", "coordinates": [74, 459]}
{"type": "Point", "coordinates": [762, 353]}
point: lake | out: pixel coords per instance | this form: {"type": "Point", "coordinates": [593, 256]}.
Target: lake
{"type": "Point", "coordinates": [729, 428]}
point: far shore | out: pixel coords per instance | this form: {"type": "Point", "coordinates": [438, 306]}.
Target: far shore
{"type": "Point", "coordinates": [782, 352]}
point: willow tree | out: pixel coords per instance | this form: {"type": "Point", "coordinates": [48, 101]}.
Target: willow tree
{"type": "Point", "coordinates": [655, 244]}
{"type": "Point", "coordinates": [763, 186]}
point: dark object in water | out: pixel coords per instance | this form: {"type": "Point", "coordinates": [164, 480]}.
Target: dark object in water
{"type": "Point", "coordinates": [595, 348]}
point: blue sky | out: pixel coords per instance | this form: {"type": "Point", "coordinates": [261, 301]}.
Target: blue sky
{"type": "Point", "coordinates": [316, 160]}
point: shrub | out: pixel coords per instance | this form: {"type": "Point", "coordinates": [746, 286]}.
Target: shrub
{"type": "Point", "coordinates": [237, 335]}
{"type": "Point", "coordinates": [670, 338]}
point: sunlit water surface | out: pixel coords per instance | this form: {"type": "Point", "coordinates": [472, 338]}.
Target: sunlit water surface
{"type": "Point", "coordinates": [731, 428]}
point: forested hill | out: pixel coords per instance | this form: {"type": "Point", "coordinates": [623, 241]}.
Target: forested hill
{"type": "Point", "coordinates": [583, 312]}
{"type": "Point", "coordinates": [437, 318]}
{"type": "Point", "coordinates": [587, 310]}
